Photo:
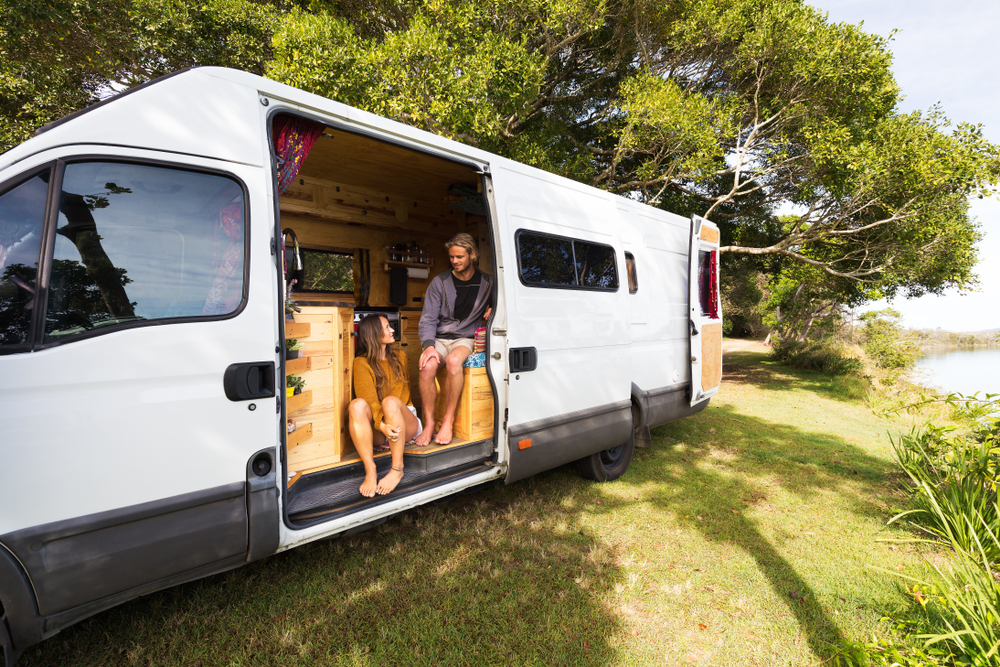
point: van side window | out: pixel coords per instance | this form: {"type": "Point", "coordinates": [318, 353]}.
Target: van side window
{"type": "Point", "coordinates": [139, 242]}
{"type": "Point", "coordinates": [546, 260]}
{"type": "Point", "coordinates": [633, 279]}
{"type": "Point", "coordinates": [22, 215]}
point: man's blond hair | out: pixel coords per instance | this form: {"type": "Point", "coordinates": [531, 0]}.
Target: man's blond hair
{"type": "Point", "coordinates": [463, 240]}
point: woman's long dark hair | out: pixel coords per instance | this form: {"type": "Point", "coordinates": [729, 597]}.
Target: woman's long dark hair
{"type": "Point", "coordinates": [370, 346]}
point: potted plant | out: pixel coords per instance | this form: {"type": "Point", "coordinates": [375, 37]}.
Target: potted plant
{"type": "Point", "coordinates": [292, 348]}
{"type": "Point", "coordinates": [293, 385]}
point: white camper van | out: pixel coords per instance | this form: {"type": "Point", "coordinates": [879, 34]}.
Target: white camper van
{"type": "Point", "coordinates": [150, 284]}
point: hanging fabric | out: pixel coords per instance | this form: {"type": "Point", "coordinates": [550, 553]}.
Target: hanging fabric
{"type": "Point", "coordinates": [713, 285]}
{"type": "Point", "coordinates": [227, 288]}
{"type": "Point", "coordinates": [293, 139]}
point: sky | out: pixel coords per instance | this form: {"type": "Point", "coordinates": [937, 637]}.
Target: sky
{"type": "Point", "coordinates": [947, 53]}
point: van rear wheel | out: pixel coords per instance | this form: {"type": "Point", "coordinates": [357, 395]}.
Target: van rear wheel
{"type": "Point", "coordinates": [608, 465]}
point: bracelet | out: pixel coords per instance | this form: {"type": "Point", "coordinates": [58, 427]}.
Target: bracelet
{"type": "Point", "coordinates": [399, 469]}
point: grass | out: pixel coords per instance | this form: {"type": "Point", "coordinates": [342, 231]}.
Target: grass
{"type": "Point", "coordinates": [745, 536]}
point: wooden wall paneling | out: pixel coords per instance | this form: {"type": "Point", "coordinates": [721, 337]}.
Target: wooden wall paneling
{"type": "Point", "coordinates": [343, 378]}
{"type": "Point", "coordinates": [711, 356]}
{"type": "Point", "coordinates": [328, 349]}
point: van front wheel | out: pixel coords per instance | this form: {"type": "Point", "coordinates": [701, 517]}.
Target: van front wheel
{"type": "Point", "coordinates": [609, 464]}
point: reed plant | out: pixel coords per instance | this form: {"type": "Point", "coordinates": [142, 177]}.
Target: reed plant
{"type": "Point", "coordinates": [954, 488]}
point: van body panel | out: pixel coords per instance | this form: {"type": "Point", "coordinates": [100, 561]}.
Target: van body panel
{"type": "Point", "coordinates": [565, 438]}
{"type": "Point", "coordinates": [74, 562]}
{"type": "Point", "coordinates": [657, 311]}
{"type": "Point", "coordinates": [191, 115]}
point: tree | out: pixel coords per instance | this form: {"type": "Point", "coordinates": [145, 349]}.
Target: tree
{"type": "Point", "coordinates": [733, 109]}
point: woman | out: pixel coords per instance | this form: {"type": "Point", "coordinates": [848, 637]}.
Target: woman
{"type": "Point", "coordinates": [381, 416]}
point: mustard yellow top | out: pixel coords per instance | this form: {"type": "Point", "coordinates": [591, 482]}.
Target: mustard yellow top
{"type": "Point", "coordinates": [364, 384]}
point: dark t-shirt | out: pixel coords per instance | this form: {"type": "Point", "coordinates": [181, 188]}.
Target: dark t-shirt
{"type": "Point", "coordinates": [466, 292]}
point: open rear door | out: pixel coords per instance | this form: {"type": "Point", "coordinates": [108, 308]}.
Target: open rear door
{"type": "Point", "coordinates": [705, 310]}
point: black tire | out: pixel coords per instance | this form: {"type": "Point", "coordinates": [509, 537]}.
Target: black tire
{"type": "Point", "coordinates": [608, 465]}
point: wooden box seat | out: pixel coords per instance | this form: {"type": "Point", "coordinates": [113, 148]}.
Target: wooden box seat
{"type": "Point", "coordinates": [474, 414]}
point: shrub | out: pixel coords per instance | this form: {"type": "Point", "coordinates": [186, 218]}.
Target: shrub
{"type": "Point", "coordinates": [827, 356]}
{"type": "Point", "coordinates": [884, 343]}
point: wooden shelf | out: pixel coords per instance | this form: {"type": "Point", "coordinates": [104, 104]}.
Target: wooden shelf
{"type": "Point", "coordinates": [297, 330]}
{"type": "Point", "coordinates": [301, 434]}
{"type": "Point", "coordinates": [408, 265]}
{"type": "Point", "coordinates": [299, 401]}
{"type": "Point", "coordinates": [300, 365]}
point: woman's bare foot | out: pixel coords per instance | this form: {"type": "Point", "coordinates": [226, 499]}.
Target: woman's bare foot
{"type": "Point", "coordinates": [368, 487]}
{"type": "Point", "coordinates": [389, 482]}
{"type": "Point", "coordinates": [424, 437]}
{"type": "Point", "coordinates": [443, 436]}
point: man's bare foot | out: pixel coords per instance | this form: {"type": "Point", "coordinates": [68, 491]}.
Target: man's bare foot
{"type": "Point", "coordinates": [369, 485]}
{"type": "Point", "coordinates": [424, 437]}
{"type": "Point", "coordinates": [443, 436]}
{"type": "Point", "coordinates": [389, 482]}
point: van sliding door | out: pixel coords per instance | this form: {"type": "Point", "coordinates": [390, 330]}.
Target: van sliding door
{"type": "Point", "coordinates": [705, 310]}
{"type": "Point", "coordinates": [567, 325]}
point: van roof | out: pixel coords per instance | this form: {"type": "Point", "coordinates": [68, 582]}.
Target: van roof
{"type": "Point", "coordinates": [210, 112]}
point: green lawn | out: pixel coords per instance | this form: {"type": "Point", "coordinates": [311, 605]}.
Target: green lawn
{"type": "Point", "coordinates": [743, 537]}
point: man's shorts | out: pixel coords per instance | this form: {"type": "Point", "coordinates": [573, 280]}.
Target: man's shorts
{"type": "Point", "coordinates": [444, 346]}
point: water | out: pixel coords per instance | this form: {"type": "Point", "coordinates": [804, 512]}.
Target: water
{"type": "Point", "coordinates": [963, 370]}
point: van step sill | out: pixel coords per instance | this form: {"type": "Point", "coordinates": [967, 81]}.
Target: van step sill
{"type": "Point", "coordinates": [343, 497]}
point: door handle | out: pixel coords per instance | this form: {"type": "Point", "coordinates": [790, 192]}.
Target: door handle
{"type": "Point", "coordinates": [247, 381]}
{"type": "Point", "coordinates": [522, 359]}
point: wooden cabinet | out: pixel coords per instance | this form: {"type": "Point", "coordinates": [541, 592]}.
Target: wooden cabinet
{"type": "Point", "coordinates": [409, 321]}
{"type": "Point", "coordinates": [320, 411]}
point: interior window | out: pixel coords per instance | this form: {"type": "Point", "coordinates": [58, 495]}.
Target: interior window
{"type": "Point", "coordinates": [633, 279]}
{"type": "Point", "coordinates": [555, 261]}
{"type": "Point", "coordinates": [324, 271]}
{"type": "Point", "coordinates": [137, 242]}
{"type": "Point", "coordinates": [22, 215]}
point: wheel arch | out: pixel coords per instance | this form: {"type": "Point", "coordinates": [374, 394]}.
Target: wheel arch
{"type": "Point", "coordinates": [17, 597]}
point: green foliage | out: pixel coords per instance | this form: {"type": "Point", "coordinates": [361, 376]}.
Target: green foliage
{"type": "Point", "coordinates": [294, 382]}
{"type": "Point", "coordinates": [955, 480]}
{"type": "Point", "coordinates": [58, 57]}
{"type": "Point", "coordinates": [826, 355]}
{"type": "Point", "coordinates": [883, 341]}
{"type": "Point", "coordinates": [731, 109]}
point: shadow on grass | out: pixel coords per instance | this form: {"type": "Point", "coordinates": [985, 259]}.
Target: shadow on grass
{"type": "Point", "coordinates": [725, 454]}
{"type": "Point", "coordinates": [489, 578]}
{"type": "Point", "coordinates": [761, 370]}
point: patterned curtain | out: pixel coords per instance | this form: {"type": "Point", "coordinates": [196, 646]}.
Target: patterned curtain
{"type": "Point", "coordinates": [227, 288]}
{"type": "Point", "coordinates": [293, 139]}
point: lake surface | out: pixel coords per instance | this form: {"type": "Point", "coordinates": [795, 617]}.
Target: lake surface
{"type": "Point", "coordinates": [965, 370]}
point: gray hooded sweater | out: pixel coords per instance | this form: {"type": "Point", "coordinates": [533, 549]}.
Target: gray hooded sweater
{"type": "Point", "coordinates": [439, 308]}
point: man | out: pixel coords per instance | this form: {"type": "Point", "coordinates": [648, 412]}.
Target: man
{"type": "Point", "coordinates": [455, 303]}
